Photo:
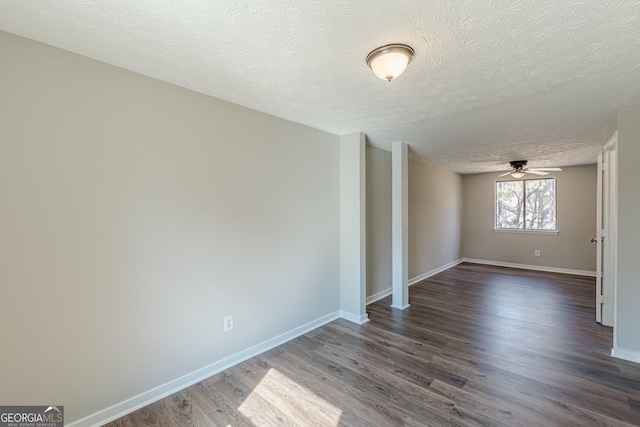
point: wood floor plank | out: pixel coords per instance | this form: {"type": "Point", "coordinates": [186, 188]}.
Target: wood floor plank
{"type": "Point", "coordinates": [209, 398]}
{"type": "Point", "coordinates": [491, 409]}
{"type": "Point", "coordinates": [422, 401]}
{"type": "Point", "coordinates": [357, 407]}
{"type": "Point", "coordinates": [479, 345]}
{"type": "Point", "coordinates": [251, 406]}
{"type": "Point", "coordinates": [354, 387]}
{"type": "Point", "coordinates": [299, 404]}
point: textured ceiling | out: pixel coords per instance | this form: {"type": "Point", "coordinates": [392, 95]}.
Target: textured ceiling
{"type": "Point", "coordinates": [492, 80]}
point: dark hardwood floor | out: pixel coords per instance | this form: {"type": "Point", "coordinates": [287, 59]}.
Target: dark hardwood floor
{"type": "Point", "coordinates": [479, 345]}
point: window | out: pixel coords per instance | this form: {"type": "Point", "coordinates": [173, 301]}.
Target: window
{"type": "Point", "coordinates": [526, 205]}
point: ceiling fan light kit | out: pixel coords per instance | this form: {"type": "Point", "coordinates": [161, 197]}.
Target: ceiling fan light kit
{"type": "Point", "coordinates": [518, 170]}
{"type": "Point", "coordinates": [389, 61]}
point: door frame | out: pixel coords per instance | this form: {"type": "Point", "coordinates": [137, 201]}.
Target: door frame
{"type": "Point", "coordinates": [607, 219]}
{"type": "Point", "coordinates": [599, 227]}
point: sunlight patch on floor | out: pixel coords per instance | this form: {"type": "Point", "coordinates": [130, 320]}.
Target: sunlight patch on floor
{"type": "Point", "coordinates": [277, 398]}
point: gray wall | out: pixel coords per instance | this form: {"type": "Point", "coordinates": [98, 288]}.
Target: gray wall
{"type": "Point", "coordinates": [435, 217]}
{"type": "Point", "coordinates": [628, 251]}
{"type": "Point", "coordinates": [568, 249]}
{"type": "Point", "coordinates": [378, 221]}
{"type": "Point", "coordinates": [135, 216]}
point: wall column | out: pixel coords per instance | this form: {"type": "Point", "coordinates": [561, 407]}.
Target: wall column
{"type": "Point", "coordinates": [627, 287]}
{"type": "Point", "coordinates": [353, 280]}
{"type": "Point", "coordinates": [400, 225]}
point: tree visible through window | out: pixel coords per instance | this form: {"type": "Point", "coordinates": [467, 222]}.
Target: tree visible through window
{"type": "Point", "coordinates": [526, 205]}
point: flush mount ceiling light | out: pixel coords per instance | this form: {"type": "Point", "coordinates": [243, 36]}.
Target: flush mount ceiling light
{"type": "Point", "coordinates": [389, 61]}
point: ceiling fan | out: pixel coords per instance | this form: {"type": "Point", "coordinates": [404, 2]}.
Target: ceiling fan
{"type": "Point", "coordinates": [518, 169]}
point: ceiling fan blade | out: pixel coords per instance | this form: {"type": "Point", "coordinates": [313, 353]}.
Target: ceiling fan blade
{"type": "Point", "coordinates": [546, 169]}
{"type": "Point", "coordinates": [536, 172]}
{"type": "Point", "coordinates": [504, 174]}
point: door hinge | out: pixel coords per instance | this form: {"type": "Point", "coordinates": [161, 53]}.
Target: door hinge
{"type": "Point", "coordinates": [605, 166]}
{"type": "Point", "coordinates": [600, 299]}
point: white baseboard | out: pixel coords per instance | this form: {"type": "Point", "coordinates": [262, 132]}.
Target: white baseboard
{"type": "Point", "coordinates": [376, 297]}
{"type": "Point", "coordinates": [143, 399]}
{"type": "Point", "coordinates": [531, 267]}
{"type": "Point", "coordinates": [385, 293]}
{"type": "Point", "coordinates": [354, 317]}
{"type": "Point", "coordinates": [434, 271]}
{"type": "Point", "coordinates": [630, 355]}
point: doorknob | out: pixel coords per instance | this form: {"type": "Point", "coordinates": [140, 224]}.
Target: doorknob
{"type": "Point", "coordinates": [593, 240]}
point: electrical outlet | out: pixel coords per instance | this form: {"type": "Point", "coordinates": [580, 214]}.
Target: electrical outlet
{"type": "Point", "coordinates": [537, 252]}
{"type": "Point", "coordinates": [228, 323]}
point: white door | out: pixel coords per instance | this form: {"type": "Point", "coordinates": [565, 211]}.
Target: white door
{"type": "Point", "coordinates": [606, 233]}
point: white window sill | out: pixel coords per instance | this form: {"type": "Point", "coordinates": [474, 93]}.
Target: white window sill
{"type": "Point", "coordinates": [503, 230]}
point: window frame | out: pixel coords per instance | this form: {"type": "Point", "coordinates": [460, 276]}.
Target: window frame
{"type": "Point", "coordinates": [523, 230]}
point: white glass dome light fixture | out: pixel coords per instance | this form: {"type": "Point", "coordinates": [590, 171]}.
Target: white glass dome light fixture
{"type": "Point", "coordinates": [389, 61]}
